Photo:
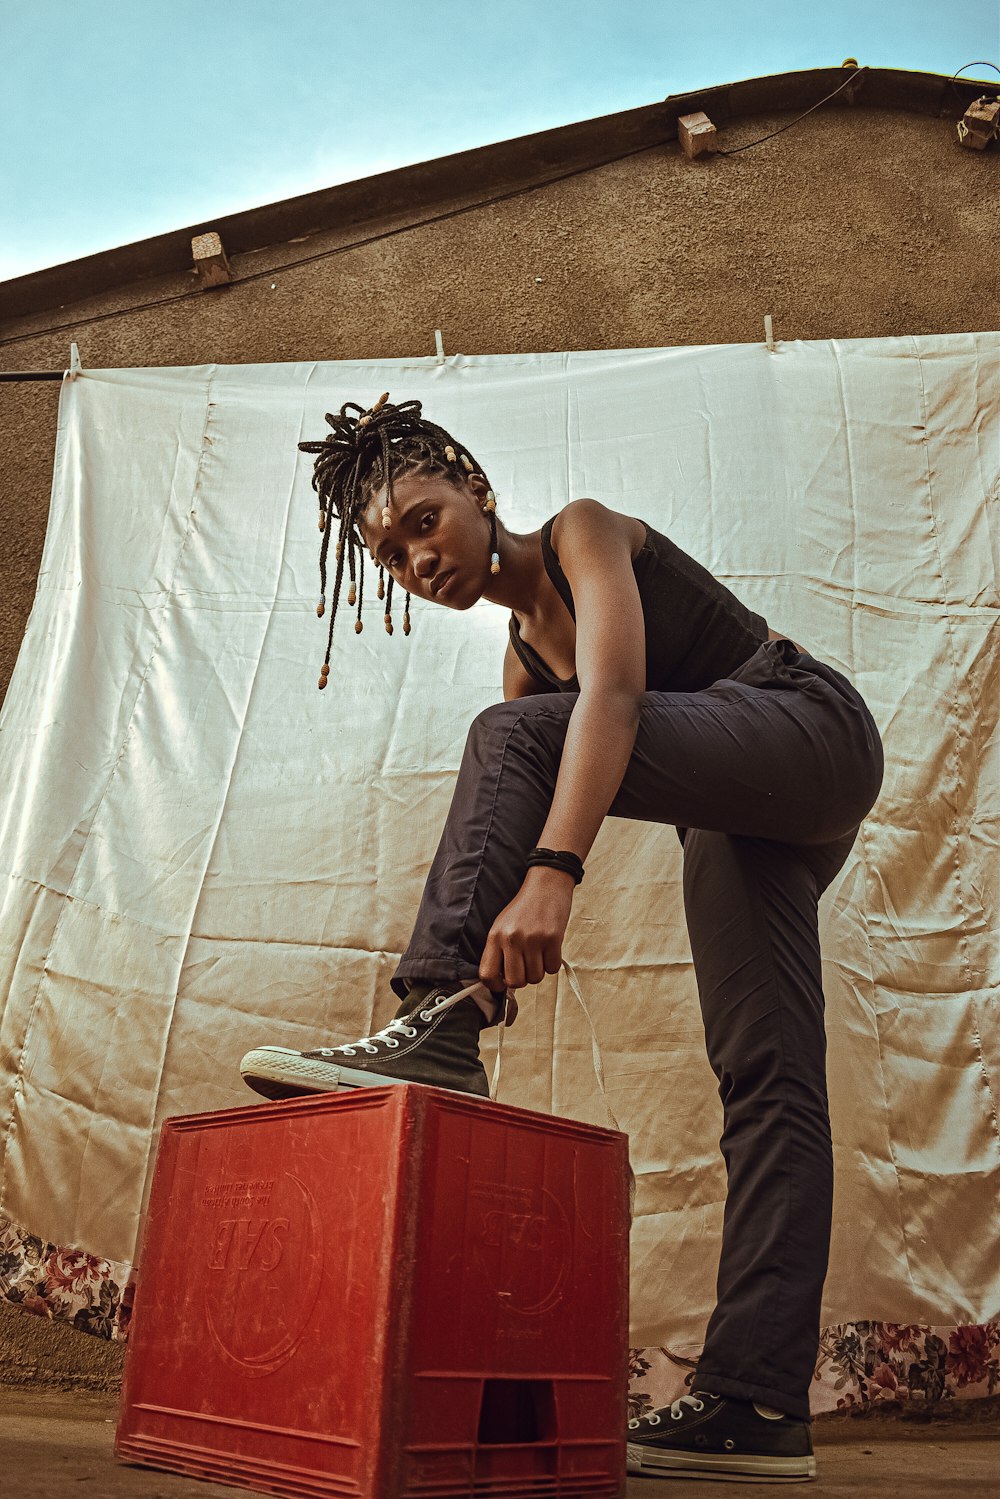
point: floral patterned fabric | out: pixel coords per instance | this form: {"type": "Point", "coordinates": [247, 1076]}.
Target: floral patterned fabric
{"type": "Point", "coordinates": [67, 1284]}
{"type": "Point", "coordinates": [860, 1364]}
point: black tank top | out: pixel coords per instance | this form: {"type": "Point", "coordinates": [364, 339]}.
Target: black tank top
{"type": "Point", "coordinates": [696, 630]}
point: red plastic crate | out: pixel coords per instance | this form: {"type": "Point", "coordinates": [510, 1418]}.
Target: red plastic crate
{"type": "Point", "coordinates": [393, 1291]}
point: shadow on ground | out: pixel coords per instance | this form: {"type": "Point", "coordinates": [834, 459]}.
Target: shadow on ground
{"type": "Point", "coordinates": [51, 1441]}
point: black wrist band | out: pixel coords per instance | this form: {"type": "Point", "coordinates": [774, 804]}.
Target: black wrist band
{"type": "Point", "coordinates": [557, 858]}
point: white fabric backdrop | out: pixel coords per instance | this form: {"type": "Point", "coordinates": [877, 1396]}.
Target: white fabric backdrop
{"type": "Point", "coordinates": [200, 852]}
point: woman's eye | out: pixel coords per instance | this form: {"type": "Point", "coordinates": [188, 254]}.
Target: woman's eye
{"type": "Point", "coordinates": [428, 517]}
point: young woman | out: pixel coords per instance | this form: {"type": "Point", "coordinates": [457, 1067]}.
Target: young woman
{"type": "Point", "coordinates": [636, 685]}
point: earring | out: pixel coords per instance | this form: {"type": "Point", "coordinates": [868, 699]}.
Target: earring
{"type": "Point", "coordinates": [494, 553]}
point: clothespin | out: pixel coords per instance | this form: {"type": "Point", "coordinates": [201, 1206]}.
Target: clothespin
{"type": "Point", "coordinates": [440, 346]}
{"type": "Point", "coordinates": [75, 367]}
{"type": "Point", "coordinates": [769, 332]}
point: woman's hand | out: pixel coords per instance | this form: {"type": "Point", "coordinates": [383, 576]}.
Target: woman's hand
{"type": "Point", "coordinates": [525, 941]}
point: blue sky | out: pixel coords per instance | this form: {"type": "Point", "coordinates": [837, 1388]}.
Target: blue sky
{"type": "Point", "coordinates": [122, 120]}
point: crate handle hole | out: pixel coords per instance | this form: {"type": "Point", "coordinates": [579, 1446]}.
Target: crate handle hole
{"type": "Point", "coordinates": [517, 1411]}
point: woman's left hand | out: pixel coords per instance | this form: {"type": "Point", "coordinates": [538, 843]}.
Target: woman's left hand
{"type": "Point", "coordinates": [525, 941]}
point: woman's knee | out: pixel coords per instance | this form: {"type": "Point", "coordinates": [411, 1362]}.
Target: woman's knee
{"type": "Point", "coordinates": [545, 714]}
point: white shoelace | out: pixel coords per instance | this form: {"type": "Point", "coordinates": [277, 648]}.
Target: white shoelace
{"type": "Point", "coordinates": [676, 1411]}
{"type": "Point", "coordinates": [598, 1061]}
{"type": "Point", "coordinates": [391, 1033]}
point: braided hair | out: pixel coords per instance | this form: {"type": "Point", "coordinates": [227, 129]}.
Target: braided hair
{"type": "Point", "coordinates": [355, 460]}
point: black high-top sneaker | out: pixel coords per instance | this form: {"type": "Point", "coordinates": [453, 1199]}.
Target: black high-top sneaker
{"type": "Point", "coordinates": [713, 1436]}
{"type": "Point", "coordinates": [434, 1039]}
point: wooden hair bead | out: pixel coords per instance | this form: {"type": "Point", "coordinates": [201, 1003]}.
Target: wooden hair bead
{"type": "Point", "coordinates": [321, 606]}
{"type": "Point", "coordinates": [339, 551]}
{"type": "Point", "coordinates": [406, 621]}
{"type": "Point", "coordinates": [321, 683]}
{"type": "Point", "coordinates": [467, 463]}
{"type": "Point", "coordinates": [388, 624]}
{"type": "Point", "coordinates": [450, 453]}
{"type": "Point", "coordinates": [387, 517]}
{"type": "Point", "coordinates": [324, 670]}
{"type": "Point", "coordinates": [358, 627]}
{"type": "Point", "coordinates": [381, 586]}
{"type": "Point", "coordinates": [322, 520]}
{"type": "Point", "coordinates": [491, 501]}
{"type": "Point", "coordinates": [495, 563]}
{"type": "Point", "coordinates": [352, 595]}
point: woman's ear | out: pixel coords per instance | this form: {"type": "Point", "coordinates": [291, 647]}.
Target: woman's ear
{"type": "Point", "coordinates": [479, 486]}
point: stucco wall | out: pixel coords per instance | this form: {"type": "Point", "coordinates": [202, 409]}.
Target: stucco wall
{"type": "Point", "coordinates": [855, 223]}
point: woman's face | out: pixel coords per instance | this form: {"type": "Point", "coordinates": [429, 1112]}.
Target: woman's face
{"type": "Point", "coordinates": [438, 546]}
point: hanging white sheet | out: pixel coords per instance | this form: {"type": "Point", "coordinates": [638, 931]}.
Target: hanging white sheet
{"type": "Point", "coordinates": [199, 852]}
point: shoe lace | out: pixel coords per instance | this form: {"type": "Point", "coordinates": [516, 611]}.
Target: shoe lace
{"type": "Point", "coordinates": [389, 1034]}
{"type": "Point", "coordinates": [676, 1410]}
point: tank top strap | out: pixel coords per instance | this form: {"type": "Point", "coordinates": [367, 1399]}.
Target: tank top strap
{"type": "Point", "coordinates": [553, 568]}
{"type": "Point", "coordinates": [520, 649]}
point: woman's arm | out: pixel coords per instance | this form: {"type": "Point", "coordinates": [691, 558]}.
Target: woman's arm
{"type": "Point", "coordinates": [595, 552]}
{"type": "Point", "coordinates": [594, 549]}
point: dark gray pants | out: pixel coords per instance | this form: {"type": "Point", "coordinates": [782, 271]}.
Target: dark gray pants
{"type": "Point", "coordinates": [766, 775]}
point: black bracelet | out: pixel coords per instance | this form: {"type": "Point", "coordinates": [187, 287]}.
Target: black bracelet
{"type": "Point", "coordinates": [557, 858]}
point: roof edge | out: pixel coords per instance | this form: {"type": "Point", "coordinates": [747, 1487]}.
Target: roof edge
{"type": "Point", "coordinates": [504, 164]}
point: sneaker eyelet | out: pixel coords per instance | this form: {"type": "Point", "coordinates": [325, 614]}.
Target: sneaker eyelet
{"type": "Point", "coordinates": [632, 1425]}
{"type": "Point", "coordinates": [410, 1030]}
{"type": "Point", "coordinates": [653, 1420]}
{"type": "Point", "coordinates": [426, 1015]}
{"type": "Point", "coordinates": [348, 1051]}
{"type": "Point", "coordinates": [729, 1444]}
{"type": "Point", "coordinates": [699, 1405]}
{"type": "Point", "coordinates": [372, 1050]}
{"type": "Point", "coordinates": [675, 1415]}
{"type": "Point", "coordinates": [391, 1041]}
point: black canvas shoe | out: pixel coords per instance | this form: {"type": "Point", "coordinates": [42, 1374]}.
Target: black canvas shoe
{"type": "Point", "coordinates": [434, 1038]}
{"type": "Point", "coordinates": [713, 1436]}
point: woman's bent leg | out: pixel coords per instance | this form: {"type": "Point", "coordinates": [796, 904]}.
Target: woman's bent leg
{"type": "Point", "coordinates": [775, 751]}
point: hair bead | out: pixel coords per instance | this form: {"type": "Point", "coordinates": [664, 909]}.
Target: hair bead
{"type": "Point", "coordinates": [358, 627]}
{"type": "Point", "coordinates": [322, 520]}
{"type": "Point", "coordinates": [388, 624]}
{"type": "Point", "coordinates": [450, 454]}
{"type": "Point", "coordinates": [495, 562]}
{"type": "Point", "coordinates": [324, 670]}
{"type": "Point", "coordinates": [321, 683]}
{"type": "Point", "coordinates": [321, 606]}
{"type": "Point", "coordinates": [381, 584]}
{"type": "Point", "coordinates": [352, 595]}
{"type": "Point", "coordinates": [467, 463]}
{"type": "Point", "coordinates": [386, 518]}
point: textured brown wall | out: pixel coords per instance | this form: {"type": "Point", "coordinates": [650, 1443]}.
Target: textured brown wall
{"type": "Point", "coordinates": [856, 223]}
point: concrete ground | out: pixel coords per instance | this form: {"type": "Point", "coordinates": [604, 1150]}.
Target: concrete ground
{"type": "Point", "coordinates": [51, 1441]}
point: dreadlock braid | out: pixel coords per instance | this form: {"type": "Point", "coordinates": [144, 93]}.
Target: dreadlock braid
{"type": "Point", "coordinates": [359, 456]}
